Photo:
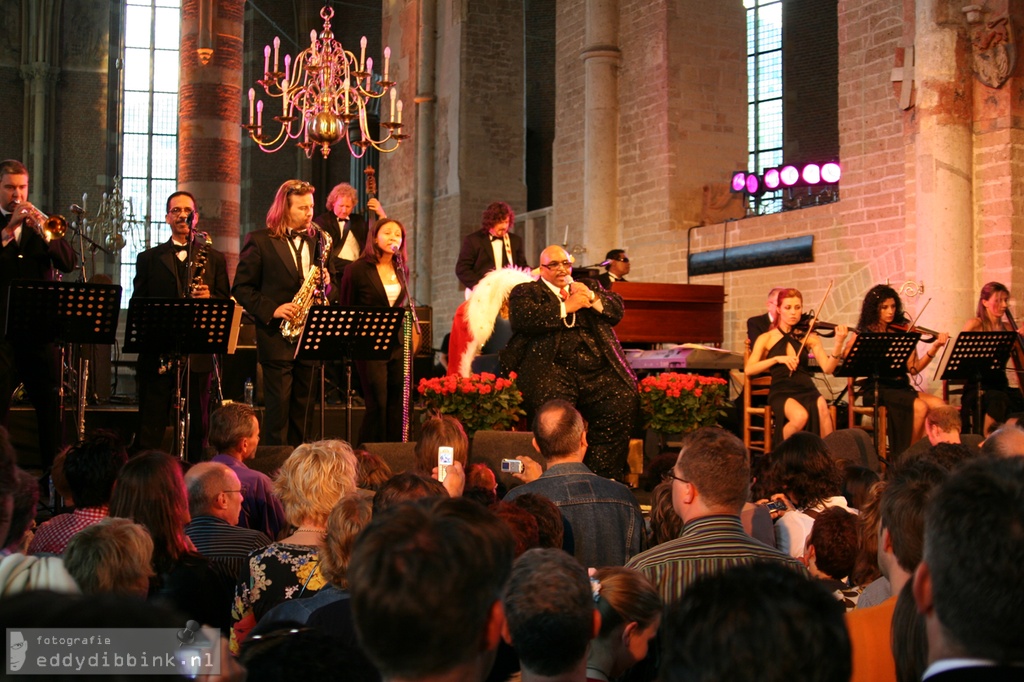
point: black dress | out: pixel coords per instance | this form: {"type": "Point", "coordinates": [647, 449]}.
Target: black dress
{"type": "Point", "coordinates": [897, 396]}
{"type": "Point", "coordinates": [797, 386]}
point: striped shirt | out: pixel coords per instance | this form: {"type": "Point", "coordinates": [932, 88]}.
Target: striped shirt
{"type": "Point", "coordinates": [708, 545]}
{"type": "Point", "coordinates": [222, 543]}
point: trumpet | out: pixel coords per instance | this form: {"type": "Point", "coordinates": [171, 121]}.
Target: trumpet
{"type": "Point", "coordinates": [49, 227]}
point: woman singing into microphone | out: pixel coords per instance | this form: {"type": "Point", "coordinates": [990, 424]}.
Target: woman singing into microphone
{"type": "Point", "coordinates": [378, 279]}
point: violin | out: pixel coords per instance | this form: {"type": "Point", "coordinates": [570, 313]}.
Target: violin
{"type": "Point", "coordinates": [1017, 353]}
{"type": "Point", "coordinates": [821, 328]}
{"type": "Point", "coordinates": [927, 335]}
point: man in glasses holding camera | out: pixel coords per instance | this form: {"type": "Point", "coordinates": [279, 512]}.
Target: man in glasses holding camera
{"type": "Point", "coordinates": [563, 346]}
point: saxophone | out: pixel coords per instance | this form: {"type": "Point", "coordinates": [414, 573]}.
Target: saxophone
{"type": "Point", "coordinates": [308, 294]}
{"type": "Point", "coordinates": [202, 254]}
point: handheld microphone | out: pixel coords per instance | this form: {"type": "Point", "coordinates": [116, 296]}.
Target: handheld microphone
{"type": "Point", "coordinates": [75, 208]}
{"type": "Point", "coordinates": [604, 263]}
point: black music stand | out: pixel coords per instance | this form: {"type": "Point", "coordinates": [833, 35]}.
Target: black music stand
{"type": "Point", "coordinates": [878, 356]}
{"type": "Point", "coordinates": [353, 333]}
{"type": "Point", "coordinates": [63, 312]}
{"type": "Point", "coordinates": [177, 327]}
{"type": "Point", "coordinates": [975, 354]}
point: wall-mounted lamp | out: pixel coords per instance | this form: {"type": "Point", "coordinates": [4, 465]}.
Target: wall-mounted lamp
{"type": "Point", "coordinates": [204, 38]}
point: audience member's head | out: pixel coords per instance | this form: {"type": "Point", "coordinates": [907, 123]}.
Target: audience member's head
{"type": "Point", "coordinates": [347, 519]}
{"type": "Point", "coordinates": [857, 482]}
{"type": "Point", "coordinates": [59, 480]}
{"type": "Point", "coordinates": [406, 487]}
{"type": "Point", "coordinates": [91, 467]}
{"type": "Point", "coordinates": [832, 544]}
{"type": "Point", "coordinates": [550, 524]}
{"type": "Point", "coordinates": [480, 476]}
{"type": "Point", "coordinates": [804, 470]}
{"type": "Point", "coordinates": [947, 455]}
{"type": "Point", "coordinates": [761, 622]}
{"type": "Point", "coordinates": [287, 650]}
{"type": "Point", "coordinates": [968, 586]}
{"type": "Point", "coordinates": [373, 470]}
{"type": "Point", "coordinates": [559, 431]}
{"type": "Point", "coordinates": [439, 431]}
{"type": "Point", "coordinates": [114, 555]}
{"type": "Point", "coordinates": [235, 430]}
{"type": "Point", "coordinates": [151, 490]}
{"type": "Point", "coordinates": [521, 524]}
{"type": "Point", "coordinates": [866, 569]}
{"type": "Point", "coordinates": [426, 580]}
{"type": "Point", "coordinates": [711, 476]}
{"type": "Point", "coordinates": [313, 479]}
{"type": "Point", "coordinates": [909, 642]}
{"type": "Point", "coordinates": [942, 425]}
{"type": "Point", "coordinates": [214, 490]}
{"type": "Point", "coordinates": [665, 522]}
{"type": "Point", "coordinates": [23, 512]}
{"type": "Point", "coordinates": [902, 506]}
{"type": "Point", "coordinates": [630, 609]}
{"type": "Point", "coordinates": [550, 612]}
{"type": "Point", "coordinates": [1006, 441]}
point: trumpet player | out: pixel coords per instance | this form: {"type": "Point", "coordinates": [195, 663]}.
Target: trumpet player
{"type": "Point", "coordinates": [26, 254]}
{"type": "Point", "coordinates": [272, 268]}
{"type": "Point", "coordinates": [169, 270]}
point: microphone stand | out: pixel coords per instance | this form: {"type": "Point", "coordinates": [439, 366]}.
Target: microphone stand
{"type": "Point", "coordinates": [410, 312]}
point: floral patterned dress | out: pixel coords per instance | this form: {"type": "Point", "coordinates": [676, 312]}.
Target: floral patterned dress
{"type": "Point", "coordinates": [275, 573]}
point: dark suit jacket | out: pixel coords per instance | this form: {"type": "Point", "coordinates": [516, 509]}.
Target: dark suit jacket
{"type": "Point", "coordinates": [358, 226]}
{"type": "Point", "coordinates": [605, 279]}
{"type": "Point", "coordinates": [32, 259]}
{"type": "Point", "coordinates": [476, 258]}
{"type": "Point", "coordinates": [757, 325]}
{"type": "Point", "coordinates": [267, 277]}
{"type": "Point", "coordinates": [537, 330]}
{"type": "Point", "coordinates": [156, 276]}
{"type": "Point", "coordinates": [361, 286]}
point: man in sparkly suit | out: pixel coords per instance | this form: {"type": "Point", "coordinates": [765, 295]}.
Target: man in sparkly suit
{"type": "Point", "coordinates": [563, 346]}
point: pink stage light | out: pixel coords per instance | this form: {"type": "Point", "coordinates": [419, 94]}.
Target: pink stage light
{"type": "Point", "coordinates": [753, 184]}
{"type": "Point", "coordinates": [771, 179]}
{"type": "Point", "coordinates": [812, 174]}
{"type": "Point", "coordinates": [831, 172]}
{"type": "Point", "coordinates": [739, 181]}
{"type": "Point", "coordinates": [789, 175]}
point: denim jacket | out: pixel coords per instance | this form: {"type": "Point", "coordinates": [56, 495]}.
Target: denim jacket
{"type": "Point", "coordinates": [606, 522]}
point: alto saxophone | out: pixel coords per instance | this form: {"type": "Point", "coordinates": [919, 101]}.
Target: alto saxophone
{"type": "Point", "coordinates": [308, 294]}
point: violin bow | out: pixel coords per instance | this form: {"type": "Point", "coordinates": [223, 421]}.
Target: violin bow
{"type": "Point", "coordinates": [814, 320]}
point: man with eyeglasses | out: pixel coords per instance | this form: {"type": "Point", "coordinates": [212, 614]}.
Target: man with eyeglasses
{"type": "Point", "coordinates": [563, 346]}
{"type": "Point", "coordinates": [616, 264]}
{"type": "Point", "coordinates": [167, 271]}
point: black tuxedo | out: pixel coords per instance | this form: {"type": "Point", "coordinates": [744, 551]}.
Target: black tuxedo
{"type": "Point", "coordinates": [160, 274]}
{"type": "Point", "coordinates": [382, 380]}
{"type": "Point", "coordinates": [583, 364]}
{"type": "Point", "coordinates": [476, 257]}
{"type": "Point", "coordinates": [757, 325]}
{"type": "Point", "coordinates": [356, 224]}
{"type": "Point", "coordinates": [605, 278]}
{"type": "Point", "coordinates": [266, 278]}
{"type": "Point", "coordinates": [33, 364]}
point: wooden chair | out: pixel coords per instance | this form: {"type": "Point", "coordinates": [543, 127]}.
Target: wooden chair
{"type": "Point", "coordinates": [879, 417]}
{"type": "Point", "coordinates": [757, 437]}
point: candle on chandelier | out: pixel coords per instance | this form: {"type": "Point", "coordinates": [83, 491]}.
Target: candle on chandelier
{"type": "Point", "coordinates": [387, 62]}
{"type": "Point", "coordinates": [259, 117]}
{"type": "Point", "coordinates": [346, 95]}
{"type": "Point", "coordinates": [266, 60]}
{"type": "Point", "coordinates": [252, 102]}
{"type": "Point", "coordinates": [399, 107]}
{"type": "Point", "coordinates": [85, 199]}
{"type": "Point", "coordinates": [394, 93]}
{"type": "Point", "coordinates": [287, 64]}
{"type": "Point", "coordinates": [369, 72]}
{"type": "Point", "coordinates": [277, 48]}
{"type": "Point", "coordinates": [362, 52]}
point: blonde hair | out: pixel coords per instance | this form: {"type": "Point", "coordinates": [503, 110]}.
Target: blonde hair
{"type": "Point", "coordinates": [277, 214]}
{"type": "Point", "coordinates": [626, 596]}
{"type": "Point", "coordinates": [313, 478]}
{"type": "Point", "coordinates": [110, 556]}
{"type": "Point", "coordinates": [347, 519]}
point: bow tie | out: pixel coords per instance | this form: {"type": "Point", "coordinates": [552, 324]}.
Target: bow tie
{"type": "Point", "coordinates": [297, 233]}
{"type": "Point", "coordinates": [497, 239]}
{"type": "Point", "coordinates": [178, 248]}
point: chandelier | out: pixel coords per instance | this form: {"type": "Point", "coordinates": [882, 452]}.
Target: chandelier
{"type": "Point", "coordinates": [321, 93]}
{"type": "Point", "coordinates": [115, 217]}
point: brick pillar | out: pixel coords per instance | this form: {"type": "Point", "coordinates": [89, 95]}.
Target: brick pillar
{"type": "Point", "coordinates": [209, 132]}
{"type": "Point", "coordinates": [601, 59]}
{"type": "Point", "coordinates": [943, 211]}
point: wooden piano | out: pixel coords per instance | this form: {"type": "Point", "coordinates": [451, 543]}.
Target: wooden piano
{"type": "Point", "coordinates": [671, 313]}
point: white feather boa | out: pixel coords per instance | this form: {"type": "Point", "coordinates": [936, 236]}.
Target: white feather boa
{"type": "Point", "coordinates": [483, 307]}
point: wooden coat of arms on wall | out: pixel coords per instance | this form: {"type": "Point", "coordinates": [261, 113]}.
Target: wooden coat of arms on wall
{"type": "Point", "coordinates": [994, 51]}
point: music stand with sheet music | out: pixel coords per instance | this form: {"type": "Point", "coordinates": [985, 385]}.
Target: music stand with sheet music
{"type": "Point", "coordinates": [63, 312]}
{"type": "Point", "coordinates": [878, 356]}
{"type": "Point", "coordinates": [353, 333]}
{"type": "Point", "coordinates": [178, 327]}
{"type": "Point", "coordinates": [973, 355]}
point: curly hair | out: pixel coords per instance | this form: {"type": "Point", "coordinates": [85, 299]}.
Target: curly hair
{"type": "Point", "coordinates": [314, 478]}
{"type": "Point", "coordinates": [871, 308]}
{"type": "Point", "coordinates": [496, 212]}
{"type": "Point", "coordinates": [805, 471]}
{"type": "Point", "coordinates": [350, 516]}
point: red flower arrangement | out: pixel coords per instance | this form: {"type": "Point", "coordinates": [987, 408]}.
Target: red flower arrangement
{"type": "Point", "coordinates": [480, 401]}
{"type": "Point", "coordinates": [680, 403]}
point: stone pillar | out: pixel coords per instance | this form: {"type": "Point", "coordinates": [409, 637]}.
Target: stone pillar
{"type": "Point", "coordinates": [942, 159]}
{"type": "Point", "coordinates": [209, 131]}
{"type": "Point", "coordinates": [39, 70]}
{"type": "Point", "coordinates": [601, 59]}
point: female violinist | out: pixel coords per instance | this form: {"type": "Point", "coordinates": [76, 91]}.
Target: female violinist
{"type": "Point", "coordinates": [997, 401]}
{"type": "Point", "coordinates": [795, 400]}
{"type": "Point", "coordinates": [906, 407]}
